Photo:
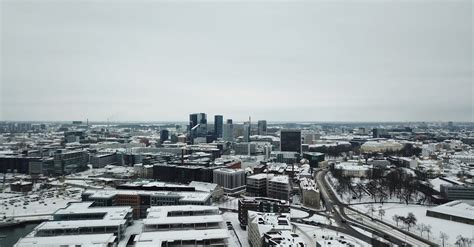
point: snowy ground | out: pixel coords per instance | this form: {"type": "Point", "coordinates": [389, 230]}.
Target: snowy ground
{"type": "Point", "coordinates": [311, 234]}
{"type": "Point", "coordinates": [242, 235]}
{"type": "Point", "coordinates": [295, 213]}
{"type": "Point", "coordinates": [453, 229]}
{"type": "Point", "coordinates": [40, 203]}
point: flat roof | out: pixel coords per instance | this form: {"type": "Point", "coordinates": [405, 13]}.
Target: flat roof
{"type": "Point", "coordinates": [258, 176]}
{"type": "Point", "coordinates": [164, 210]}
{"type": "Point", "coordinates": [50, 225]}
{"type": "Point", "coordinates": [460, 208]}
{"type": "Point", "coordinates": [111, 213]}
{"type": "Point", "coordinates": [160, 215]}
{"type": "Point", "coordinates": [84, 240]}
{"type": "Point", "coordinates": [156, 238]}
{"type": "Point", "coordinates": [280, 179]}
{"type": "Point", "coordinates": [184, 220]}
{"type": "Point", "coordinates": [203, 186]}
{"type": "Point", "coordinates": [185, 195]}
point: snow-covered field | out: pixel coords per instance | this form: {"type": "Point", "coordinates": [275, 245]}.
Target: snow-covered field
{"type": "Point", "coordinates": [348, 197]}
{"type": "Point", "coordinates": [453, 229]}
{"type": "Point", "coordinates": [295, 213]}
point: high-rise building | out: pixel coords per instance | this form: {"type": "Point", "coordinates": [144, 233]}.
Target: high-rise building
{"type": "Point", "coordinates": [218, 123]}
{"type": "Point", "coordinates": [290, 140]}
{"type": "Point", "coordinates": [228, 131]}
{"type": "Point", "coordinates": [196, 119]}
{"type": "Point", "coordinates": [247, 131]}
{"type": "Point", "coordinates": [164, 135]}
{"type": "Point", "coordinates": [262, 127]}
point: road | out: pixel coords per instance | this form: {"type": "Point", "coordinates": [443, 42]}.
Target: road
{"type": "Point", "coordinates": [347, 221]}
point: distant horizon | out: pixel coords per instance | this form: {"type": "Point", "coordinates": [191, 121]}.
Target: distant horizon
{"type": "Point", "coordinates": [236, 121]}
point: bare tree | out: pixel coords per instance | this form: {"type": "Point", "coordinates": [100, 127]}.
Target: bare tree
{"type": "Point", "coordinates": [396, 218]}
{"type": "Point", "coordinates": [381, 213]}
{"type": "Point", "coordinates": [444, 237]}
{"type": "Point", "coordinates": [428, 230]}
{"type": "Point", "coordinates": [371, 209]}
{"type": "Point", "coordinates": [463, 241]}
{"type": "Point", "coordinates": [421, 227]}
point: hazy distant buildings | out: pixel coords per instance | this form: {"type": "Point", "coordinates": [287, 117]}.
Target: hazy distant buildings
{"type": "Point", "coordinates": [70, 161]}
{"type": "Point", "coordinates": [228, 131]}
{"type": "Point", "coordinates": [262, 127]}
{"type": "Point", "coordinates": [290, 140]}
{"type": "Point", "coordinates": [164, 135]}
{"type": "Point", "coordinates": [103, 159]}
{"type": "Point", "coordinates": [247, 131]}
{"type": "Point", "coordinates": [244, 148]}
{"type": "Point", "coordinates": [314, 158]}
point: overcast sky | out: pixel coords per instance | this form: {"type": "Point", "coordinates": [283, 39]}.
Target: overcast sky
{"type": "Point", "coordinates": [294, 61]}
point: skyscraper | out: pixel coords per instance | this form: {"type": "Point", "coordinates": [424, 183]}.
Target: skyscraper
{"type": "Point", "coordinates": [198, 119]}
{"type": "Point", "coordinates": [228, 131]}
{"type": "Point", "coordinates": [247, 131]}
{"type": "Point", "coordinates": [218, 122]}
{"type": "Point", "coordinates": [164, 135]}
{"type": "Point", "coordinates": [262, 127]}
{"type": "Point", "coordinates": [290, 140]}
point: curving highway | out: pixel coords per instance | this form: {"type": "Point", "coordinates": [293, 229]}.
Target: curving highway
{"type": "Point", "coordinates": [383, 234]}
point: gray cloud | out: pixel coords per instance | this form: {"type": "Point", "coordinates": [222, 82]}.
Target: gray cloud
{"type": "Point", "coordinates": [306, 60]}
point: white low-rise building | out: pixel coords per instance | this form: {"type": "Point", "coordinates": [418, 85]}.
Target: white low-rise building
{"type": "Point", "coordinates": [186, 225]}
{"type": "Point", "coordinates": [75, 240]}
{"type": "Point", "coordinates": [272, 229]}
{"type": "Point", "coordinates": [351, 169]}
{"type": "Point", "coordinates": [381, 146]}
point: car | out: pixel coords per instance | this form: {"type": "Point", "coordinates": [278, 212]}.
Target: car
{"type": "Point", "coordinates": [343, 221]}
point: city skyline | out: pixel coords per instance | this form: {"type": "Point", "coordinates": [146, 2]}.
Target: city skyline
{"type": "Point", "coordinates": [302, 61]}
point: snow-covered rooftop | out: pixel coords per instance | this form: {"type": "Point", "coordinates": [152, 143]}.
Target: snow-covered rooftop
{"type": "Point", "coordinates": [280, 179]}
{"type": "Point", "coordinates": [463, 209]}
{"type": "Point", "coordinates": [68, 240]}
{"type": "Point", "coordinates": [157, 238]}
{"type": "Point", "coordinates": [110, 213]}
